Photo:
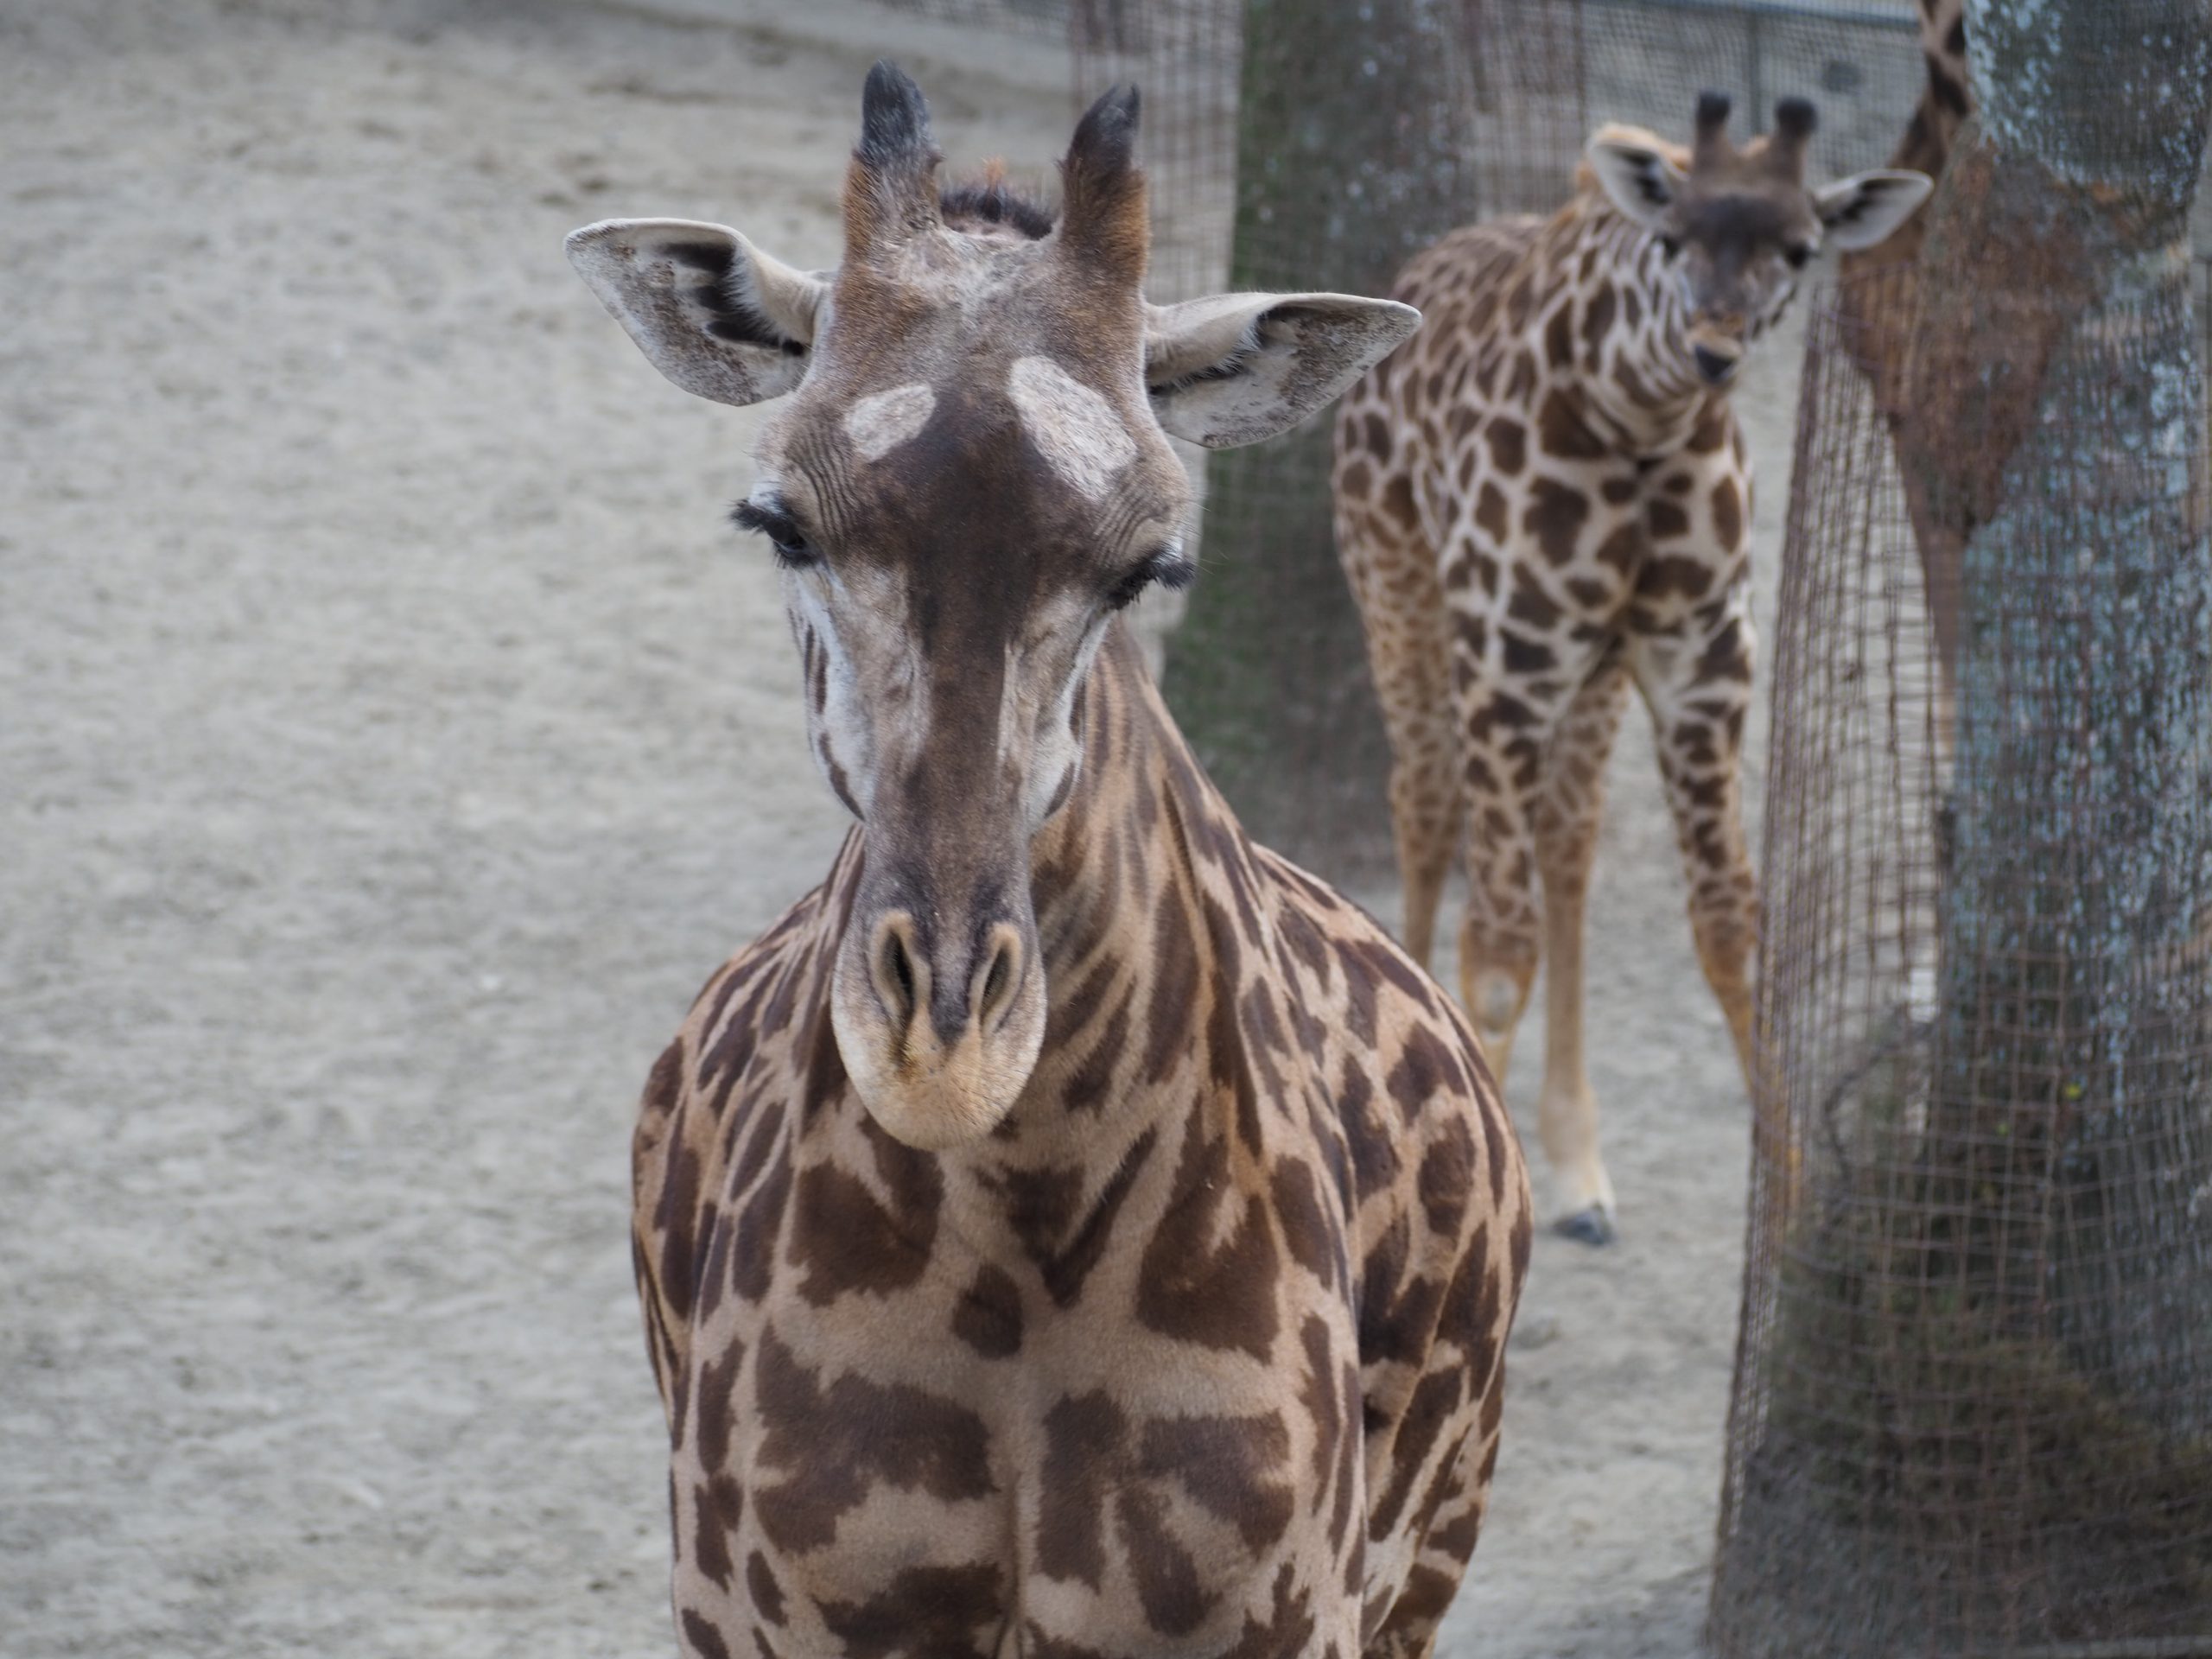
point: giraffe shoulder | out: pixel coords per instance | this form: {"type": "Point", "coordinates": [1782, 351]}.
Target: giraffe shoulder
{"type": "Point", "coordinates": [1469, 258]}
{"type": "Point", "coordinates": [1423, 1118]}
{"type": "Point", "coordinates": [1395, 1023]}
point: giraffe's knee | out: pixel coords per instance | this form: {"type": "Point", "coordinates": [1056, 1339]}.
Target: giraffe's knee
{"type": "Point", "coordinates": [1495, 995]}
{"type": "Point", "coordinates": [1425, 801]}
{"type": "Point", "coordinates": [1727, 937]}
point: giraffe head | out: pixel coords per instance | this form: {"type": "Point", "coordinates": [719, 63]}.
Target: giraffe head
{"type": "Point", "coordinates": [970, 476]}
{"type": "Point", "coordinates": [1735, 227]}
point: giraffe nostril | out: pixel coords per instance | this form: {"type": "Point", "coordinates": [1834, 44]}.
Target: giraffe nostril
{"type": "Point", "coordinates": [902, 968]}
{"type": "Point", "coordinates": [897, 985]}
{"type": "Point", "coordinates": [1000, 976]}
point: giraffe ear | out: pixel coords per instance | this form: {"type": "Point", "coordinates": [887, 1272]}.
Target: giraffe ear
{"type": "Point", "coordinates": [1862, 210]}
{"type": "Point", "coordinates": [710, 311]}
{"type": "Point", "coordinates": [1642, 179]}
{"type": "Point", "coordinates": [1236, 368]}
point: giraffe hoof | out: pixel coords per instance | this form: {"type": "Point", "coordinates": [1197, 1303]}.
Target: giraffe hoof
{"type": "Point", "coordinates": [1592, 1226]}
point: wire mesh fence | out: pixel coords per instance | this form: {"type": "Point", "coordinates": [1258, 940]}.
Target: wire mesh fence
{"type": "Point", "coordinates": [1540, 74]}
{"type": "Point", "coordinates": [1548, 71]}
{"type": "Point", "coordinates": [1974, 1405]}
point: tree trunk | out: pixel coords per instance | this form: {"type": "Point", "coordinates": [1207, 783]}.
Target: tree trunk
{"type": "Point", "coordinates": [2059, 436]}
{"type": "Point", "coordinates": [1976, 1412]}
{"type": "Point", "coordinates": [1353, 151]}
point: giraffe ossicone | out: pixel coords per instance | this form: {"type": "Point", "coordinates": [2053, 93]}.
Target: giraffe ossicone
{"type": "Point", "coordinates": [1070, 1228]}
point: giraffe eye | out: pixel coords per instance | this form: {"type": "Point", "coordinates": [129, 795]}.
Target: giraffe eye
{"type": "Point", "coordinates": [1168, 566]}
{"type": "Point", "coordinates": [793, 551]}
{"type": "Point", "coordinates": [1797, 254]}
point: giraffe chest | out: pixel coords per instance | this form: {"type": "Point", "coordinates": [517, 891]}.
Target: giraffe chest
{"type": "Point", "coordinates": [852, 1479]}
{"type": "Point", "coordinates": [1694, 517]}
{"type": "Point", "coordinates": [1537, 524]}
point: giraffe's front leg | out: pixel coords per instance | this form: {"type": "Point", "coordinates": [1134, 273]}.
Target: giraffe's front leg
{"type": "Point", "coordinates": [1512, 703]}
{"type": "Point", "coordinates": [1567, 820]}
{"type": "Point", "coordinates": [1500, 938]}
{"type": "Point", "coordinates": [1697, 680]}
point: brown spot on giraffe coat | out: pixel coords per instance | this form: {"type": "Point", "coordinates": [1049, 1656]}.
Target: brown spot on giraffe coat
{"type": "Point", "coordinates": [1508, 441]}
{"type": "Point", "coordinates": [1554, 518]}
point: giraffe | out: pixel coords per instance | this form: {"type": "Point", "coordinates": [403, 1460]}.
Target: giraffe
{"type": "Point", "coordinates": [1071, 1230]}
{"type": "Point", "coordinates": [1946, 101]}
{"type": "Point", "coordinates": [1542, 500]}
{"type": "Point", "coordinates": [1878, 295]}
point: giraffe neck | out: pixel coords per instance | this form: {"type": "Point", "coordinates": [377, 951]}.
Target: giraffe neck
{"type": "Point", "coordinates": [1628, 328]}
{"type": "Point", "coordinates": [1111, 862]}
{"type": "Point", "coordinates": [1948, 99]}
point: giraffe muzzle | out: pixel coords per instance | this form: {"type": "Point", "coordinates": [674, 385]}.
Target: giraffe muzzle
{"type": "Point", "coordinates": [938, 1025]}
{"type": "Point", "coordinates": [976, 994]}
{"type": "Point", "coordinates": [1717, 368]}
{"type": "Point", "coordinates": [1717, 348]}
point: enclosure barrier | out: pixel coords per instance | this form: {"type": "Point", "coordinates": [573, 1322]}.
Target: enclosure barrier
{"type": "Point", "coordinates": [1973, 1408]}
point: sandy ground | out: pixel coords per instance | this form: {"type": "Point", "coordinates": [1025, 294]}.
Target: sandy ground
{"type": "Point", "coordinates": [391, 738]}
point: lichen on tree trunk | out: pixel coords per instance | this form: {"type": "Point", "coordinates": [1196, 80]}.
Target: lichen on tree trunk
{"type": "Point", "coordinates": [1353, 150]}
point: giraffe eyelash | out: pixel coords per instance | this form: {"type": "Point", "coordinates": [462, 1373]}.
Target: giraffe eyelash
{"type": "Point", "coordinates": [1169, 566]}
{"type": "Point", "coordinates": [793, 551]}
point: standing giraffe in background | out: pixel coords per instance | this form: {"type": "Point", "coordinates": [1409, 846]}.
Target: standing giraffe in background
{"type": "Point", "coordinates": [1071, 1229]}
{"type": "Point", "coordinates": [1543, 498]}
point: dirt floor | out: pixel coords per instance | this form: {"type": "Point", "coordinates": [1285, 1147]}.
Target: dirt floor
{"type": "Point", "coordinates": [393, 736]}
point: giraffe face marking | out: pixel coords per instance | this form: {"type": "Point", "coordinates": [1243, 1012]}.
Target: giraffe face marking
{"type": "Point", "coordinates": [967, 484]}
{"type": "Point", "coordinates": [1074, 427]}
{"type": "Point", "coordinates": [952, 563]}
{"type": "Point", "coordinates": [882, 421]}
{"type": "Point", "coordinates": [1735, 255]}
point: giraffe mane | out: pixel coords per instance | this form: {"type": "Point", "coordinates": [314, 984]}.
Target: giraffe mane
{"type": "Point", "coordinates": [990, 200]}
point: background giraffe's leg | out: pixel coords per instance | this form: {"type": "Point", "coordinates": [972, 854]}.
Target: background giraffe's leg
{"type": "Point", "coordinates": [1510, 721]}
{"type": "Point", "coordinates": [1697, 684]}
{"type": "Point", "coordinates": [1392, 570]}
{"type": "Point", "coordinates": [1568, 815]}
